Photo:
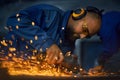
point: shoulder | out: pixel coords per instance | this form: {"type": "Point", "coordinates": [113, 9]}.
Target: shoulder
{"type": "Point", "coordinates": [44, 7]}
{"type": "Point", "coordinates": [110, 20]}
{"type": "Point", "coordinates": [111, 14]}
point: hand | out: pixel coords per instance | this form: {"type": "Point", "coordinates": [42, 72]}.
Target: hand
{"type": "Point", "coordinates": [96, 70]}
{"type": "Point", "coordinates": [54, 55]}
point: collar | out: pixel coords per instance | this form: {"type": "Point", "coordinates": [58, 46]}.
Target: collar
{"type": "Point", "coordinates": [64, 22]}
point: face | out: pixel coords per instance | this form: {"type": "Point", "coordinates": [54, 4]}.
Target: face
{"type": "Point", "coordinates": [83, 29]}
{"type": "Point", "coordinates": [79, 30]}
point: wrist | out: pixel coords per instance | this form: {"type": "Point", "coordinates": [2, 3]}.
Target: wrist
{"type": "Point", "coordinates": [103, 58]}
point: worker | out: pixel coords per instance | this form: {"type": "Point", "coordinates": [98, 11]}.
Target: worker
{"type": "Point", "coordinates": [48, 29]}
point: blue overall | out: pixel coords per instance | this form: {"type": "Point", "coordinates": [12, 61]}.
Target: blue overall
{"type": "Point", "coordinates": [110, 33]}
{"type": "Point", "coordinates": [38, 27]}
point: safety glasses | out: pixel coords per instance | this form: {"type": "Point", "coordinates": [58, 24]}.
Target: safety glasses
{"type": "Point", "coordinates": [85, 30]}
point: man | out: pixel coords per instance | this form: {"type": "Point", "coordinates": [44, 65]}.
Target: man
{"type": "Point", "coordinates": [48, 29]}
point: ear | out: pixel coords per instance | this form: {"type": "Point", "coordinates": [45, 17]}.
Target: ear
{"type": "Point", "coordinates": [79, 13]}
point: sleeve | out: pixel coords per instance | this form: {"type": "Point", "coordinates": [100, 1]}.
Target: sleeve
{"type": "Point", "coordinates": [110, 47]}
{"type": "Point", "coordinates": [110, 37]}
{"type": "Point", "coordinates": [26, 28]}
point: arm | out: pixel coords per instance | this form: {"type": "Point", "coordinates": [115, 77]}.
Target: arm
{"type": "Point", "coordinates": [27, 28]}
{"type": "Point", "coordinates": [33, 33]}
{"type": "Point", "coordinates": [110, 34]}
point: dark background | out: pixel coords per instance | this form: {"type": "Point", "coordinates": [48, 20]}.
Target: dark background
{"type": "Point", "coordinates": [7, 7]}
{"type": "Point", "coordinates": [90, 49]}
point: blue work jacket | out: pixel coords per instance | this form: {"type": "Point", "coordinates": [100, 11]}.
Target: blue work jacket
{"type": "Point", "coordinates": [38, 27]}
{"type": "Point", "coordinates": [110, 33]}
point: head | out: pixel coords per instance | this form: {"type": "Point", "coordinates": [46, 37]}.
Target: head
{"type": "Point", "coordinates": [85, 26]}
